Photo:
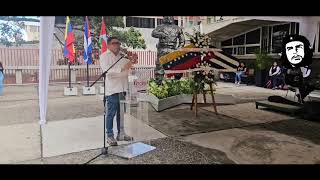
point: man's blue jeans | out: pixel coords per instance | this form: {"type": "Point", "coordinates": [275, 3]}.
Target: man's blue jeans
{"type": "Point", "coordinates": [113, 105]}
{"type": "Point", "coordinates": [238, 76]}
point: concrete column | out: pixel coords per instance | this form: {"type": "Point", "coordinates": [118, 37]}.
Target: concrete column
{"type": "Point", "coordinates": [124, 21]}
{"type": "Point", "coordinates": [200, 27]}
{"type": "Point", "coordinates": [19, 76]}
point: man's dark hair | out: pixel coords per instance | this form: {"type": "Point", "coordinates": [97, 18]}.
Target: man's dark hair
{"type": "Point", "coordinates": [110, 39]}
{"type": "Point", "coordinates": [308, 52]}
{"type": "Point", "coordinates": [242, 62]}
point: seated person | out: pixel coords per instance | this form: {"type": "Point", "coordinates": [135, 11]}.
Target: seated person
{"type": "Point", "coordinates": [275, 75]}
{"type": "Point", "coordinates": [241, 69]}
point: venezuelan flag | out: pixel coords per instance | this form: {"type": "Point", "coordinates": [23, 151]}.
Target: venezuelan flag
{"type": "Point", "coordinates": [69, 51]}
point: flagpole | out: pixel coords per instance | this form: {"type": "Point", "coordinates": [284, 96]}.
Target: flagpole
{"type": "Point", "coordinates": [87, 74]}
{"type": "Point", "coordinates": [69, 73]}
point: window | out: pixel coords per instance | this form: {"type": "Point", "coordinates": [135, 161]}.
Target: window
{"type": "Point", "coordinates": [269, 39]}
{"type": "Point", "coordinates": [252, 49]}
{"type": "Point", "coordinates": [227, 50]}
{"type": "Point", "coordinates": [140, 22]}
{"type": "Point", "coordinates": [227, 42]}
{"type": "Point", "coordinates": [265, 39]}
{"type": "Point", "coordinates": [33, 28]}
{"type": "Point", "coordinates": [235, 50]}
{"type": "Point", "coordinates": [278, 33]}
{"type": "Point", "coordinates": [209, 20]}
{"type": "Point", "coordinates": [253, 37]}
{"type": "Point", "coordinates": [60, 20]}
{"type": "Point", "coordinates": [318, 40]}
{"type": "Point", "coordinates": [292, 28]}
{"type": "Point", "coordinates": [244, 43]}
{"type": "Point", "coordinates": [241, 50]}
{"type": "Point", "coordinates": [238, 40]}
{"type": "Point", "coordinates": [159, 21]}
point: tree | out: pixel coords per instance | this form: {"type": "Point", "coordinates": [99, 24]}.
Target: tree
{"type": "Point", "coordinates": [114, 26]}
{"type": "Point", "coordinates": [11, 30]}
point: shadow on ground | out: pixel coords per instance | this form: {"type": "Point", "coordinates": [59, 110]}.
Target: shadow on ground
{"type": "Point", "coordinates": [298, 128]}
{"type": "Point", "coordinates": [182, 122]}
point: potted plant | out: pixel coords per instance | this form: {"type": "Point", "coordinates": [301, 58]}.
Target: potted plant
{"type": "Point", "coordinates": [263, 62]}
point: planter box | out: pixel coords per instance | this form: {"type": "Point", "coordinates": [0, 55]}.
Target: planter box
{"type": "Point", "coordinates": [186, 98]}
{"type": "Point", "coordinates": [162, 104]}
{"type": "Point", "coordinates": [219, 98]}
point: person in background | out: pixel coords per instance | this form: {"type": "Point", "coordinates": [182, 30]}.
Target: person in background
{"type": "Point", "coordinates": [274, 74]}
{"type": "Point", "coordinates": [241, 69]}
{"type": "Point", "coordinates": [1, 78]}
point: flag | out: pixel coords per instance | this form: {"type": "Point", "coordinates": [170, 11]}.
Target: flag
{"type": "Point", "coordinates": [69, 51]}
{"type": "Point", "coordinates": [87, 43]}
{"type": "Point", "coordinates": [103, 38]}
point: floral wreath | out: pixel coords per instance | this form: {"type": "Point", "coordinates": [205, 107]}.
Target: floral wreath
{"type": "Point", "coordinates": [204, 73]}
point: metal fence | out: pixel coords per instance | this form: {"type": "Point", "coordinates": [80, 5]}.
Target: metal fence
{"type": "Point", "coordinates": [30, 57]}
{"type": "Point", "coordinates": [60, 74]}
{"type": "Point", "coordinates": [21, 66]}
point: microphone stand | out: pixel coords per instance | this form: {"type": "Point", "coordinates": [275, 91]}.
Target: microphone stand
{"type": "Point", "coordinates": [104, 150]}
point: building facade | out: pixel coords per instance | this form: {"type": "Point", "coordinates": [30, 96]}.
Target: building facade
{"type": "Point", "coordinates": [32, 30]}
{"type": "Point", "coordinates": [146, 24]}
{"type": "Point", "coordinates": [241, 36]}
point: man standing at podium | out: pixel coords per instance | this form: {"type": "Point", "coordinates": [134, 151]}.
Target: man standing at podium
{"type": "Point", "coordinates": [116, 85]}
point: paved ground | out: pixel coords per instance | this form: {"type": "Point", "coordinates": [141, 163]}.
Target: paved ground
{"type": "Point", "coordinates": [262, 137]}
{"type": "Point", "coordinates": [20, 104]}
{"type": "Point", "coordinates": [284, 142]}
{"type": "Point", "coordinates": [168, 151]}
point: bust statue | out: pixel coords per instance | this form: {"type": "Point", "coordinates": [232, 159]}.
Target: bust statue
{"type": "Point", "coordinates": [170, 37]}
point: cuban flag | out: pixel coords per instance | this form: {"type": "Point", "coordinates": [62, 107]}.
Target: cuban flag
{"type": "Point", "coordinates": [87, 43]}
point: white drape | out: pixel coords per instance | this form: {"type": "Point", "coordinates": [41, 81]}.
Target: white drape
{"type": "Point", "coordinates": [46, 36]}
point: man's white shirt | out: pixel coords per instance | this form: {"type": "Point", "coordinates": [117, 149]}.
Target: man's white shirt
{"type": "Point", "coordinates": [116, 81]}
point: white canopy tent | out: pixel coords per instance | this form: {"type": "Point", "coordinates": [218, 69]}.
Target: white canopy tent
{"type": "Point", "coordinates": [46, 36]}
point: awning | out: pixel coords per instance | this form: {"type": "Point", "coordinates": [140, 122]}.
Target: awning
{"type": "Point", "coordinates": [236, 27]}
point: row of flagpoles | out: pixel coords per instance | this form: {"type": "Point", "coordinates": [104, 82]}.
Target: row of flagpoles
{"type": "Point", "coordinates": [46, 38]}
{"type": "Point", "coordinates": [69, 50]}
